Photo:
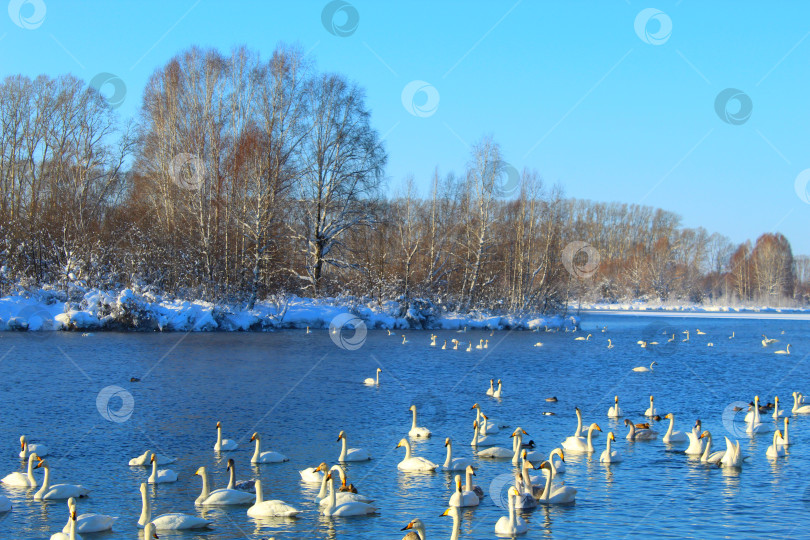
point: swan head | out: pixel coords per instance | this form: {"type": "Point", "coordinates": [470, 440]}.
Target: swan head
{"type": "Point", "coordinates": [499, 382]}
{"type": "Point", "coordinates": [475, 405]}
{"type": "Point", "coordinates": [544, 465]}
{"type": "Point", "coordinates": [23, 440]}
{"type": "Point", "coordinates": [403, 442]}
{"type": "Point", "coordinates": [627, 422]}
{"type": "Point", "coordinates": [143, 488]}
{"type": "Point", "coordinates": [72, 504]}
{"type": "Point", "coordinates": [379, 370]}
{"type": "Point", "coordinates": [651, 399]}
{"type": "Point", "coordinates": [447, 441]}
{"type": "Point", "coordinates": [254, 437]}
{"type": "Point", "coordinates": [199, 472]}
{"type": "Point", "coordinates": [616, 399]}
{"type": "Point", "coordinates": [414, 524]}
{"type": "Point", "coordinates": [412, 408]}
{"type": "Point", "coordinates": [341, 435]}
{"type": "Point", "coordinates": [42, 464]}
{"type": "Point", "coordinates": [596, 427]}
{"type": "Point", "coordinates": [230, 464]}
{"type": "Point", "coordinates": [152, 458]}
{"type": "Point", "coordinates": [452, 510]}
{"type": "Point", "coordinates": [669, 416]}
{"type": "Point", "coordinates": [705, 434]}
{"type": "Point", "coordinates": [219, 425]}
{"type": "Point", "coordinates": [517, 432]}
{"type": "Point", "coordinates": [470, 470]}
{"type": "Point", "coordinates": [611, 436]}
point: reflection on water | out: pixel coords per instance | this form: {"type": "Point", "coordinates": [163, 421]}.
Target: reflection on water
{"type": "Point", "coordinates": [300, 390]}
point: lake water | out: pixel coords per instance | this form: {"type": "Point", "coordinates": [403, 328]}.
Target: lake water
{"type": "Point", "coordinates": [300, 390]}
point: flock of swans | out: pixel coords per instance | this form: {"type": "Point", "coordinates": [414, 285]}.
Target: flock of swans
{"type": "Point", "coordinates": [537, 475]}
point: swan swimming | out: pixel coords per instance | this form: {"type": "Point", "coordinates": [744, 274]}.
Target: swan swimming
{"type": "Point", "coordinates": [241, 485]}
{"type": "Point", "coordinates": [615, 411]}
{"type": "Point", "coordinates": [580, 338]}
{"type": "Point", "coordinates": [463, 498]}
{"type": "Point", "coordinates": [145, 459]}
{"type": "Point", "coordinates": [468, 483]}
{"type": "Point", "coordinates": [799, 409]}
{"type": "Point", "coordinates": [776, 450]}
{"type": "Point", "coordinates": [71, 526]}
{"type": "Point", "coordinates": [353, 508]}
{"type": "Point", "coordinates": [784, 440]}
{"type": "Point", "coordinates": [415, 431]}
{"type": "Point", "coordinates": [414, 463]}
{"type": "Point", "coordinates": [451, 463]}
{"type": "Point", "coordinates": [27, 448]}
{"type": "Point", "coordinates": [559, 495]}
{"type": "Point", "coordinates": [651, 411]}
{"type": "Point", "coordinates": [581, 444]}
{"type": "Point", "coordinates": [608, 455]}
{"type": "Point", "coordinates": [267, 456]}
{"type": "Point", "coordinates": [341, 496]}
{"type": "Point", "coordinates": [351, 454]}
{"type": "Point", "coordinates": [88, 523]}
{"type": "Point", "coordinates": [162, 476]}
{"type": "Point", "coordinates": [220, 497]}
{"type": "Point", "coordinates": [373, 382]}
{"type": "Point", "coordinates": [224, 445]}
{"type": "Point", "coordinates": [274, 508]}
{"type": "Point", "coordinates": [671, 436]}
{"type": "Point", "coordinates": [167, 522]}
{"type": "Point", "coordinates": [25, 479]}
{"type": "Point", "coordinates": [641, 369]}
{"type": "Point", "coordinates": [754, 424]}
{"type": "Point", "coordinates": [497, 394]}
{"type": "Point", "coordinates": [57, 491]}
{"type": "Point", "coordinates": [709, 456]}
{"type": "Point", "coordinates": [783, 351]}
{"type": "Point", "coordinates": [695, 442]}
{"type": "Point", "coordinates": [512, 524]}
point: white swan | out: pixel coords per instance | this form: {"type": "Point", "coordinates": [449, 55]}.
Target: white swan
{"type": "Point", "coordinates": [608, 455]}
{"type": "Point", "coordinates": [651, 411]}
{"type": "Point", "coordinates": [456, 515]}
{"type": "Point", "coordinates": [463, 498]}
{"type": "Point", "coordinates": [700, 332]}
{"type": "Point", "coordinates": [517, 446]}
{"type": "Point", "coordinates": [341, 496]}
{"type": "Point", "coordinates": [610, 344]}
{"type": "Point", "coordinates": [766, 341]}
{"type": "Point", "coordinates": [580, 338]}
{"type": "Point", "coordinates": [695, 442]}
{"type": "Point", "coordinates": [220, 497]}
{"type": "Point", "coordinates": [491, 387]}
{"type": "Point", "coordinates": [417, 431]}
{"type": "Point", "coordinates": [512, 524]}
{"type": "Point", "coordinates": [558, 495]}
{"type": "Point", "coordinates": [709, 456]}
{"type": "Point", "coordinates": [162, 476]}
{"type": "Point", "coordinates": [351, 454]}
{"type": "Point", "coordinates": [27, 448]}
{"type": "Point", "coordinates": [644, 368]}
{"type": "Point", "coordinates": [451, 463]}
{"type": "Point", "coordinates": [776, 450]}
{"type": "Point", "coordinates": [468, 483]}
{"type": "Point", "coordinates": [754, 424]}
{"type": "Point", "coordinates": [57, 491]}
{"type": "Point", "coordinates": [784, 440]}
{"type": "Point", "coordinates": [373, 382]}
{"type": "Point", "coordinates": [615, 411]}
{"type": "Point", "coordinates": [71, 526]}
{"type": "Point", "coordinates": [274, 508]}
{"type": "Point", "coordinates": [581, 444]}
{"type": "Point", "coordinates": [145, 459]}
{"type": "Point", "coordinates": [413, 463]}
{"type": "Point", "coordinates": [783, 351]}
{"type": "Point", "coordinates": [733, 456]}
{"type": "Point", "coordinates": [313, 475]}
{"type": "Point", "coordinates": [167, 522]}
{"type": "Point", "coordinates": [224, 445]}
{"type": "Point", "coordinates": [636, 434]}
{"type": "Point", "coordinates": [354, 508]}
{"type": "Point", "coordinates": [499, 391]}
{"type": "Point", "coordinates": [799, 409]}
{"type": "Point", "coordinates": [481, 440]}
{"type": "Point", "coordinates": [241, 485]}
{"type": "Point", "coordinates": [485, 424]}
{"type": "Point", "coordinates": [89, 523]}
{"type": "Point", "coordinates": [671, 436]}
{"type": "Point", "coordinates": [267, 456]}
{"type": "Point", "coordinates": [25, 479]}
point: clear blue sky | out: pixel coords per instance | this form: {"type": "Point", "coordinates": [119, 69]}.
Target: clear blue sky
{"type": "Point", "coordinates": [567, 88]}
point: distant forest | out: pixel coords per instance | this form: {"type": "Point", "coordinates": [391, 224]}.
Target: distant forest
{"type": "Point", "coordinates": [243, 178]}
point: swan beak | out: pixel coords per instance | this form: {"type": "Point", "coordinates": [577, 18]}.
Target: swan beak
{"type": "Point", "coordinates": [253, 437]}
{"type": "Point", "coordinates": [447, 442]}
{"type": "Point", "coordinates": [562, 456]}
{"type": "Point", "coordinates": [445, 513]}
{"type": "Point", "coordinates": [406, 527]}
{"type": "Point", "coordinates": [219, 425]}
{"type": "Point", "coordinates": [524, 431]}
{"type": "Point", "coordinates": [597, 428]}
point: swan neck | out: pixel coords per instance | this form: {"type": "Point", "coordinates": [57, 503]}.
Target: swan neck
{"type": "Point", "coordinates": [511, 511]}
{"type": "Point", "coordinates": [30, 468]}
{"type": "Point", "coordinates": [323, 492]}
{"type": "Point", "coordinates": [413, 425]}
{"type": "Point", "coordinates": [259, 494]}
{"type": "Point", "coordinates": [527, 480]}
{"type": "Point", "coordinates": [671, 425]}
{"type": "Point", "coordinates": [205, 490]}
{"type": "Point", "coordinates": [46, 481]}
{"type": "Point", "coordinates": [708, 449]}
{"type": "Point", "coordinates": [153, 476]}
{"type": "Point", "coordinates": [517, 443]}
{"type": "Point", "coordinates": [549, 478]}
{"type": "Point", "coordinates": [579, 423]}
{"type": "Point", "coordinates": [468, 481]}
{"type": "Point", "coordinates": [449, 457]}
{"type": "Point", "coordinates": [146, 509]}
{"type": "Point", "coordinates": [232, 478]}
{"type": "Point", "coordinates": [332, 496]}
{"type": "Point", "coordinates": [456, 526]}
{"type": "Point", "coordinates": [407, 449]}
{"type": "Point", "coordinates": [343, 449]}
{"type": "Point", "coordinates": [219, 437]}
{"type": "Point", "coordinates": [258, 450]}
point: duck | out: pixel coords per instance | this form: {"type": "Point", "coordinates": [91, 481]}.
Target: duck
{"type": "Point", "coordinates": [88, 523]}
{"type": "Point", "coordinates": [220, 497]}
{"type": "Point", "coordinates": [799, 409]}
{"type": "Point", "coordinates": [27, 448]}
{"type": "Point", "coordinates": [25, 479]}
{"type": "Point", "coordinates": [783, 351]}
{"type": "Point", "coordinates": [373, 382]}
{"type": "Point", "coordinates": [644, 369]}
{"type": "Point", "coordinates": [636, 434]}
{"type": "Point", "coordinates": [581, 444]}
{"type": "Point", "coordinates": [651, 411]}
{"type": "Point", "coordinates": [346, 509]}
{"type": "Point", "coordinates": [413, 463]}
{"type": "Point", "coordinates": [267, 456]}
{"type": "Point", "coordinates": [468, 483]}
{"type": "Point", "coordinates": [145, 459]}
{"type": "Point", "coordinates": [511, 524]}
{"type": "Point", "coordinates": [224, 445]}
{"type": "Point", "coordinates": [274, 508]}
{"type": "Point", "coordinates": [351, 454]}
{"type": "Point", "coordinates": [708, 456]}
{"type": "Point", "coordinates": [615, 411]}
{"type": "Point", "coordinates": [163, 476]}
{"type": "Point", "coordinates": [608, 455]}
{"type": "Point", "coordinates": [167, 522]}
{"type": "Point", "coordinates": [552, 399]}
{"type": "Point", "coordinates": [695, 442]}
{"type": "Point", "coordinates": [57, 491]}
{"type": "Point", "coordinates": [499, 391]}
{"type": "Point", "coordinates": [451, 463]}
{"type": "Point", "coordinates": [241, 485]}
{"type": "Point", "coordinates": [776, 450]}
{"type": "Point", "coordinates": [671, 437]}
{"type": "Point", "coordinates": [417, 432]}
{"type": "Point", "coordinates": [580, 338]}
{"type": "Point", "coordinates": [463, 498]}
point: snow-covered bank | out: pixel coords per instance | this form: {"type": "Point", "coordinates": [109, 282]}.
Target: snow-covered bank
{"type": "Point", "coordinates": [126, 310]}
{"type": "Point", "coordinates": [692, 310]}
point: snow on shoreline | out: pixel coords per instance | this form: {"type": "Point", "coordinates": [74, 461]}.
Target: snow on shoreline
{"type": "Point", "coordinates": [129, 311]}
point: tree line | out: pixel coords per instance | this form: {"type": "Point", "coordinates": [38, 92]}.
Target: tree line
{"type": "Point", "coordinates": [245, 177]}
